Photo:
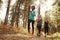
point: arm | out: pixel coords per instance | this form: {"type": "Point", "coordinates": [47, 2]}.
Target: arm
{"type": "Point", "coordinates": [33, 13]}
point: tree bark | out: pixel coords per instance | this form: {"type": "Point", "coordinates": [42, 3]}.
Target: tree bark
{"type": "Point", "coordinates": [7, 12]}
{"type": "Point", "coordinates": [15, 16]}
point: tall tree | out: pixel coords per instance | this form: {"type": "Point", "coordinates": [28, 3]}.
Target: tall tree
{"type": "Point", "coordinates": [14, 9]}
{"type": "Point", "coordinates": [7, 12]}
{"type": "Point", "coordinates": [16, 13]}
{"type": "Point", "coordinates": [26, 11]}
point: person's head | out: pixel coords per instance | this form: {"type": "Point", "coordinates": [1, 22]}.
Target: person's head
{"type": "Point", "coordinates": [46, 19]}
{"type": "Point", "coordinates": [39, 17]}
{"type": "Point", "coordinates": [33, 7]}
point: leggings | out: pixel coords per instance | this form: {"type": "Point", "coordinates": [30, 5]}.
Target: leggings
{"type": "Point", "coordinates": [31, 21]}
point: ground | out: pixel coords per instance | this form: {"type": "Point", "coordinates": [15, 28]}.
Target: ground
{"type": "Point", "coordinates": [21, 37]}
{"type": "Point", "coordinates": [20, 33]}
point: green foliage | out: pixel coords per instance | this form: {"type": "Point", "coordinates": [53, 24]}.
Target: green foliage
{"type": "Point", "coordinates": [55, 2]}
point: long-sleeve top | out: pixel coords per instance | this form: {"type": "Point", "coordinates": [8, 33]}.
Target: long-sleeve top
{"type": "Point", "coordinates": [32, 14]}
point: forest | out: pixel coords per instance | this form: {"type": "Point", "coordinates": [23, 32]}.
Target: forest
{"type": "Point", "coordinates": [14, 15]}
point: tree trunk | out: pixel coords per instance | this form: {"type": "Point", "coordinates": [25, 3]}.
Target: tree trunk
{"type": "Point", "coordinates": [13, 19]}
{"type": "Point", "coordinates": [1, 3]}
{"type": "Point", "coordinates": [15, 16]}
{"type": "Point", "coordinates": [18, 13]}
{"type": "Point", "coordinates": [25, 15]}
{"type": "Point", "coordinates": [7, 12]}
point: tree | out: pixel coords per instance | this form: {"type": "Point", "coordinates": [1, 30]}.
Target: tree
{"type": "Point", "coordinates": [25, 14]}
{"type": "Point", "coordinates": [26, 11]}
{"type": "Point", "coordinates": [7, 12]}
{"type": "Point", "coordinates": [16, 13]}
{"type": "Point", "coordinates": [1, 3]}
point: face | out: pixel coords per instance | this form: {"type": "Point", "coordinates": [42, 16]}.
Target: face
{"type": "Point", "coordinates": [33, 7]}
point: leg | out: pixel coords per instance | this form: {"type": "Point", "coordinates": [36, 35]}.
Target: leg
{"type": "Point", "coordinates": [32, 27]}
{"type": "Point", "coordinates": [28, 26]}
{"type": "Point", "coordinates": [47, 30]}
{"type": "Point", "coordinates": [39, 29]}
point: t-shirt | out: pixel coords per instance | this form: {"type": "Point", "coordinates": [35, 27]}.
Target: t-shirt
{"type": "Point", "coordinates": [32, 15]}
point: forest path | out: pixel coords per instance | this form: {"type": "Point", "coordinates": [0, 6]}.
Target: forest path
{"type": "Point", "coordinates": [21, 37]}
{"type": "Point", "coordinates": [8, 33]}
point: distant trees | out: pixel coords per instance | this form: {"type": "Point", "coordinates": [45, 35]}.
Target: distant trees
{"type": "Point", "coordinates": [55, 23]}
{"type": "Point", "coordinates": [18, 11]}
{"type": "Point", "coordinates": [22, 7]}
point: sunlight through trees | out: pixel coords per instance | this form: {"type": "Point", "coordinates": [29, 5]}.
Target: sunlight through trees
{"type": "Point", "coordinates": [15, 13]}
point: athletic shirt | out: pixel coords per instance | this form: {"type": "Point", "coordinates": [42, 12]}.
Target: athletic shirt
{"type": "Point", "coordinates": [32, 15]}
{"type": "Point", "coordinates": [46, 24]}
